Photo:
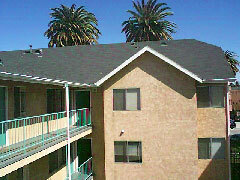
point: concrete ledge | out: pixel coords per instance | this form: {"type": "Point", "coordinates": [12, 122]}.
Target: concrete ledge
{"type": "Point", "coordinates": [23, 162]}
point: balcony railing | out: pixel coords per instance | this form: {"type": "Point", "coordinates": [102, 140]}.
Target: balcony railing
{"type": "Point", "coordinates": [84, 171]}
{"type": "Point", "coordinates": [21, 136]}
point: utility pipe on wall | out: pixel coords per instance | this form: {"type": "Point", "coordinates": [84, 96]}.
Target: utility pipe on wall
{"type": "Point", "coordinates": [68, 128]}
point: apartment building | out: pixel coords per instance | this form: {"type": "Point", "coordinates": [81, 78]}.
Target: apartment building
{"type": "Point", "coordinates": [155, 110]}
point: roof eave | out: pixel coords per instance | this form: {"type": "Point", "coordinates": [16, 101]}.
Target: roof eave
{"type": "Point", "coordinates": [225, 80]}
{"type": "Point", "coordinates": [152, 51]}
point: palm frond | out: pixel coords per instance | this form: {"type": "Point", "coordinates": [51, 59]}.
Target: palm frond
{"type": "Point", "coordinates": [148, 22]}
{"type": "Point", "coordinates": [232, 61]}
{"type": "Point", "coordinates": [72, 26]}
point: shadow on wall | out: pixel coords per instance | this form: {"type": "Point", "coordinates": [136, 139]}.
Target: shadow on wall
{"type": "Point", "coordinates": [215, 169]}
{"type": "Point", "coordinates": [168, 75]}
{"type": "Point", "coordinates": [214, 165]}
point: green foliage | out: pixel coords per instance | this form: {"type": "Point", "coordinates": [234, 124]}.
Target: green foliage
{"type": "Point", "coordinates": [71, 26]}
{"type": "Point", "coordinates": [147, 22]}
{"type": "Point", "coordinates": [231, 59]}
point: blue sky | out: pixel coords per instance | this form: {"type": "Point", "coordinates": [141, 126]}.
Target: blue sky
{"type": "Point", "coordinates": [23, 22]}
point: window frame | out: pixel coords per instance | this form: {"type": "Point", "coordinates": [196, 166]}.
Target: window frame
{"type": "Point", "coordinates": [210, 146]}
{"type": "Point", "coordinates": [125, 99]}
{"type": "Point", "coordinates": [22, 101]}
{"type": "Point", "coordinates": [125, 152]}
{"type": "Point", "coordinates": [210, 101]}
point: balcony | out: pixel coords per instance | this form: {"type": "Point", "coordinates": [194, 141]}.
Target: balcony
{"type": "Point", "coordinates": [24, 140]}
{"type": "Point", "coordinates": [84, 171]}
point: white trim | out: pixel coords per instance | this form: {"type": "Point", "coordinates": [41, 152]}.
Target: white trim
{"type": "Point", "coordinates": [32, 79]}
{"type": "Point", "coordinates": [221, 79]}
{"type": "Point", "coordinates": [228, 131]}
{"type": "Point", "coordinates": [139, 53]}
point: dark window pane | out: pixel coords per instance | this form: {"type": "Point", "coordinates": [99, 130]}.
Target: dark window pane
{"type": "Point", "coordinates": [20, 174]}
{"type": "Point", "coordinates": [119, 99]}
{"type": "Point", "coordinates": [16, 102]}
{"type": "Point", "coordinates": [55, 102]}
{"type": "Point", "coordinates": [120, 158]}
{"type": "Point", "coordinates": [53, 161]}
{"type": "Point", "coordinates": [218, 148]}
{"type": "Point", "coordinates": [203, 97]}
{"type": "Point", "coordinates": [62, 159]}
{"type": "Point", "coordinates": [204, 148]}
{"type": "Point", "coordinates": [217, 96]}
{"type": "Point", "coordinates": [19, 102]}
{"type": "Point", "coordinates": [120, 151]}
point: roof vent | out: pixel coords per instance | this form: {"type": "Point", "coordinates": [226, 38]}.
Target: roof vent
{"type": "Point", "coordinates": [38, 51]}
{"type": "Point", "coordinates": [28, 51]}
{"type": "Point", "coordinates": [134, 44]}
{"type": "Point", "coordinates": [164, 43]}
{"type": "Point", "coordinates": [30, 46]}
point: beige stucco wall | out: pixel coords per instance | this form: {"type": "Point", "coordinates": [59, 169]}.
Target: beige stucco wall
{"type": "Point", "coordinates": [36, 97]}
{"type": "Point", "coordinates": [166, 123]}
{"type": "Point", "coordinates": [212, 123]}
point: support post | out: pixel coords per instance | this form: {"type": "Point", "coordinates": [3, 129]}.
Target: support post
{"type": "Point", "coordinates": [68, 131]}
{"type": "Point", "coordinates": [228, 131]}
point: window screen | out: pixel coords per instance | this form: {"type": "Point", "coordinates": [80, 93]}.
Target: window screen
{"type": "Point", "coordinates": [128, 151]}
{"type": "Point", "coordinates": [203, 97]}
{"type": "Point", "coordinates": [218, 148]}
{"type": "Point", "coordinates": [204, 148]}
{"type": "Point", "coordinates": [119, 99]}
{"type": "Point", "coordinates": [120, 151]}
{"type": "Point", "coordinates": [126, 99]}
{"type": "Point", "coordinates": [210, 96]}
{"type": "Point", "coordinates": [217, 96]}
{"type": "Point", "coordinates": [134, 152]}
{"type": "Point", "coordinates": [211, 148]}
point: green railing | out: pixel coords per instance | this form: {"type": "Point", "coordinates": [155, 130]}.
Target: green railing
{"type": "Point", "coordinates": [84, 171]}
{"type": "Point", "coordinates": [19, 136]}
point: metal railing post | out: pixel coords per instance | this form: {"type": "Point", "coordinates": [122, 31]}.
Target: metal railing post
{"type": "Point", "coordinates": [24, 135]}
{"type": "Point", "coordinates": [43, 130]}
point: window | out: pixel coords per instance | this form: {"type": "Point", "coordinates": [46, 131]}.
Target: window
{"type": "Point", "coordinates": [211, 148]}
{"type": "Point", "coordinates": [126, 99]}
{"type": "Point", "coordinates": [128, 151]}
{"type": "Point", "coordinates": [210, 96]}
{"type": "Point", "coordinates": [19, 102]}
{"type": "Point", "coordinates": [20, 174]}
{"type": "Point", "coordinates": [53, 161]}
{"type": "Point", "coordinates": [57, 159]}
{"type": "Point", "coordinates": [55, 100]}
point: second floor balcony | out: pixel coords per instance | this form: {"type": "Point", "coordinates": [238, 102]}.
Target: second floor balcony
{"type": "Point", "coordinates": [24, 140]}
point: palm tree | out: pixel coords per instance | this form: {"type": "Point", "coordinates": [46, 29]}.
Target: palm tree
{"type": "Point", "coordinates": [148, 22]}
{"type": "Point", "coordinates": [231, 59]}
{"type": "Point", "coordinates": [71, 26]}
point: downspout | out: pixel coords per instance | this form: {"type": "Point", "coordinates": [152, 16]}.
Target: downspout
{"type": "Point", "coordinates": [228, 130]}
{"type": "Point", "coordinates": [68, 128]}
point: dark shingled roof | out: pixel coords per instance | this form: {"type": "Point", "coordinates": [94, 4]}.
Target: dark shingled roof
{"type": "Point", "coordinates": [88, 64]}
